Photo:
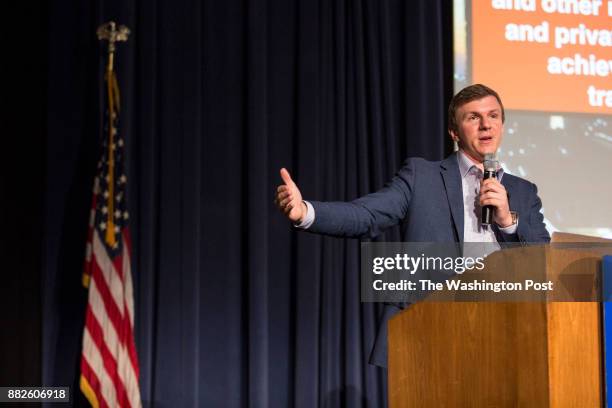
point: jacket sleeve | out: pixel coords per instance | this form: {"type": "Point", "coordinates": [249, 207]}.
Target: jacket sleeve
{"type": "Point", "coordinates": [369, 215]}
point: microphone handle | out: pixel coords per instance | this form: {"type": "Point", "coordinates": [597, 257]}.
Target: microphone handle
{"type": "Point", "coordinates": [487, 211]}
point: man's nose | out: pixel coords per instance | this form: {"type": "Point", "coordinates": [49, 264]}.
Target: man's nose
{"type": "Point", "coordinates": [485, 123]}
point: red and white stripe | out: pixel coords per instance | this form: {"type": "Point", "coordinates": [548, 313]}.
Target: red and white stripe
{"type": "Point", "coordinates": [109, 362]}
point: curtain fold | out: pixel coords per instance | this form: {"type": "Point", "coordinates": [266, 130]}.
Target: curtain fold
{"type": "Point", "coordinates": [234, 307]}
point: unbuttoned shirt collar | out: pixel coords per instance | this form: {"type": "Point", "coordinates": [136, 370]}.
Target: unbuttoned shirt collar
{"type": "Point", "coordinates": [466, 164]}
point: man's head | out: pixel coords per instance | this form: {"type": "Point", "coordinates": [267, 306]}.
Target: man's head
{"type": "Point", "coordinates": [476, 120]}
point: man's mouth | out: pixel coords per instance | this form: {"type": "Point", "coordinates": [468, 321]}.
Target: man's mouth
{"type": "Point", "coordinates": [485, 139]}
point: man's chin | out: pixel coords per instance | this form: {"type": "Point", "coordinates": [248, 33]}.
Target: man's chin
{"type": "Point", "coordinates": [479, 154]}
{"type": "Point", "coordinates": [489, 150]}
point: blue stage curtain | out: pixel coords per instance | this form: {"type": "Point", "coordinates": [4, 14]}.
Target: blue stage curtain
{"type": "Point", "coordinates": [234, 308]}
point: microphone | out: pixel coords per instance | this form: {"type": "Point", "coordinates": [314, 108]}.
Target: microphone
{"type": "Point", "coordinates": [490, 171]}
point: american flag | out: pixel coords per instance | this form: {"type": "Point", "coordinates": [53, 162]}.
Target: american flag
{"type": "Point", "coordinates": [109, 364]}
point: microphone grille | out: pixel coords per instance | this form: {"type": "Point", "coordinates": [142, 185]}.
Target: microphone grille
{"type": "Point", "coordinates": [490, 162]}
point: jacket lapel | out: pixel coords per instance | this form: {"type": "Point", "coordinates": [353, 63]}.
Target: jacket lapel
{"type": "Point", "coordinates": [449, 169]}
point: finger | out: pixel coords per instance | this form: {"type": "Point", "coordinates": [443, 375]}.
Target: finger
{"type": "Point", "coordinates": [285, 201]}
{"type": "Point", "coordinates": [281, 195]}
{"type": "Point", "coordinates": [490, 201]}
{"type": "Point", "coordinates": [288, 209]}
{"type": "Point", "coordinates": [491, 180]}
{"type": "Point", "coordinates": [286, 177]}
{"type": "Point", "coordinates": [487, 181]}
{"type": "Point", "coordinates": [492, 194]}
{"type": "Point", "coordinates": [498, 188]}
{"type": "Point", "coordinates": [492, 183]}
{"type": "Point", "coordinates": [494, 201]}
{"type": "Point", "coordinates": [281, 188]}
{"type": "Point", "coordinates": [484, 189]}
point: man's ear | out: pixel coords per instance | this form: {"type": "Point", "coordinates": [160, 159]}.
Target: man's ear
{"type": "Point", "coordinates": [454, 136]}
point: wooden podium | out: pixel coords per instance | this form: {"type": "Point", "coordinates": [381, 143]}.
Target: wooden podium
{"type": "Point", "coordinates": [503, 354]}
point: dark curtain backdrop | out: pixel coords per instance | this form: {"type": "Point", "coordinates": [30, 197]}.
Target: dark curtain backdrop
{"type": "Point", "coordinates": [23, 73]}
{"type": "Point", "coordinates": [233, 307]}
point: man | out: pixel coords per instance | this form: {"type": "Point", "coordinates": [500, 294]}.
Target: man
{"type": "Point", "coordinates": [435, 201]}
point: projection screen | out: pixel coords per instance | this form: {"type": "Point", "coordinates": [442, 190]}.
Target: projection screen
{"type": "Point", "coordinates": [550, 60]}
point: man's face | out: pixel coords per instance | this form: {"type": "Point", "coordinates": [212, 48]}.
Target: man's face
{"type": "Point", "coordinates": [479, 127]}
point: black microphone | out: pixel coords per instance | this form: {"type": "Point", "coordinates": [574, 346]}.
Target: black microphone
{"type": "Point", "coordinates": [490, 171]}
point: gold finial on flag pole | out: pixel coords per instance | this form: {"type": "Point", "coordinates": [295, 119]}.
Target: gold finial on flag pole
{"type": "Point", "coordinates": [111, 33]}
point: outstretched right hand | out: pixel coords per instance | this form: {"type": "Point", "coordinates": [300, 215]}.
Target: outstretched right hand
{"type": "Point", "coordinates": [289, 199]}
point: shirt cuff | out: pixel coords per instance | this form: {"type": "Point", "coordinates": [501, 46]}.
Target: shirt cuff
{"type": "Point", "coordinates": [308, 220]}
{"type": "Point", "coordinates": [510, 229]}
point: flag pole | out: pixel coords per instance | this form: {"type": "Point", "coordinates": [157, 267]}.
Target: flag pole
{"type": "Point", "coordinates": [109, 361]}
{"type": "Point", "coordinates": [111, 33]}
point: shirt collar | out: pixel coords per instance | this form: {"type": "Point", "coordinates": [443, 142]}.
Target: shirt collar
{"type": "Point", "coordinates": [466, 164]}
